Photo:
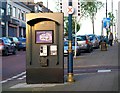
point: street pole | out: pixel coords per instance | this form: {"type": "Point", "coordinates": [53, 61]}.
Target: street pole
{"type": "Point", "coordinates": [106, 8]}
{"type": "Point", "coordinates": [47, 3]}
{"type": "Point", "coordinates": [75, 36]}
{"type": "Point", "coordinates": [102, 28]}
{"type": "Point", "coordinates": [106, 17]}
{"type": "Point", "coordinates": [70, 53]}
{"type": "Point", "coordinates": [112, 12]}
{"type": "Point", "coordinates": [116, 25]}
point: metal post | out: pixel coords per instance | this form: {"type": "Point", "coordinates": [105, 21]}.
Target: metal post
{"type": "Point", "coordinates": [106, 28]}
{"type": "Point", "coordinates": [70, 53]}
{"type": "Point", "coordinates": [112, 12]}
{"type": "Point", "coordinates": [47, 3]}
{"type": "Point", "coordinates": [75, 37]}
{"type": "Point", "coordinates": [106, 8]}
{"type": "Point", "coordinates": [102, 28]}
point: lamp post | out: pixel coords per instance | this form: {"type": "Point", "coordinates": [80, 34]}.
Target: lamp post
{"type": "Point", "coordinates": [70, 53]}
{"type": "Point", "coordinates": [106, 8]}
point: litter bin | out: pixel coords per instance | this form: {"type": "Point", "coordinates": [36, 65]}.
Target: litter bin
{"type": "Point", "coordinates": [103, 46]}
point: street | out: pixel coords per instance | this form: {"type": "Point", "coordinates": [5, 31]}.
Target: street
{"type": "Point", "coordinates": [87, 65]}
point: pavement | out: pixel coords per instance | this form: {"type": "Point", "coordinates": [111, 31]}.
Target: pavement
{"type": "Point", "coordinates": [99, 73]}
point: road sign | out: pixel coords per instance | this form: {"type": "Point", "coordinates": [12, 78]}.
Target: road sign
{"type": "Point", "coordinates": [106, 22]}
{"type": "Point", "coordinates": [70, 10]}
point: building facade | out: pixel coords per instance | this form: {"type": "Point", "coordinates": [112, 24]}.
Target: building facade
{"type": "Point", "coordinates": [2, 14]}
{"type": "Point", "coordinates": [13, 16]}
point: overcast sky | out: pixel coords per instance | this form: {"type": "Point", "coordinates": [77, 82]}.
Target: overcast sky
{"type": "Point", "coordinates": [86, 27]}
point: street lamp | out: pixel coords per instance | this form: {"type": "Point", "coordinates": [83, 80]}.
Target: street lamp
{"type": "Point", "coordinates": [106, 8]}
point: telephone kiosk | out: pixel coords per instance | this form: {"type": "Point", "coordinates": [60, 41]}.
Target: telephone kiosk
{"type": "Point", "coordinates": [44, 58]}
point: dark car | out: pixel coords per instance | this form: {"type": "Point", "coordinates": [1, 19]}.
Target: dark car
{"type": "Point", "coordinates": [16, 41]}
{"type": "Point", "coordinates": [22, 43]}
{"type": "Point", "coordinates": [6, 46]}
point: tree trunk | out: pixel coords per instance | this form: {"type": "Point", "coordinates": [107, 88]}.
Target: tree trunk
{"type": "Point", "coordinates": [93, 25]}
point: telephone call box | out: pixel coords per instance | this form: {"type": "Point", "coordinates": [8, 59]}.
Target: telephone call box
{"type": "Point", "coordinates": [44, 59]}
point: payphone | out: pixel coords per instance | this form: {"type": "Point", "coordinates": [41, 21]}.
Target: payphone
{"type": "Point", "coordinates": [44, 59]}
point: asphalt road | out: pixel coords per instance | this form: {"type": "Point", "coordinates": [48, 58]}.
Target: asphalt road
{"type": "Point", "coordinates": [13, 65]}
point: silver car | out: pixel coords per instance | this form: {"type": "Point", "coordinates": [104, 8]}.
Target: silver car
{"type": "Point", "coordinates": [94, 40]}
{"type": "Point", "coordinates": [84, 43]}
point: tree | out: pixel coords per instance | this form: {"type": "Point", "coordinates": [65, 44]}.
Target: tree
{"type": "Point", "coordinates": [112, 18]}
{"type": "Point", "coordinates": [73, 26]}
{"type": "Point", "coordinates": [89, 9]}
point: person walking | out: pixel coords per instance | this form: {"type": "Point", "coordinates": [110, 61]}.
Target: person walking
{"type": "Point", "coordinates": [111, 38]}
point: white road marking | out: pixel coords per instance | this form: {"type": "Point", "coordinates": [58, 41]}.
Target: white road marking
{"type": "Point", "coordinates": [14, 77]}
{"type": "Point", "coordinates": [22, 77]}
{"type": "Point", "coordinates": [23, 73]}
{"type": "Point", "coordinates": [24, 85]}
{"type": "Point", "coordinates": [103, 71]}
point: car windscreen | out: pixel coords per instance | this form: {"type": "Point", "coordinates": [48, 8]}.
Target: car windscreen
{"type": "Point", "coordinates": [15, 39]}
{"type": "Point", "coordinates": [23, 40]}
{"type": "Point", "coordinates": [83, 38]}
{"type": "Point", "coordinates": [91, 37]}
{"type": "Point", "coordinates": [80, 38]}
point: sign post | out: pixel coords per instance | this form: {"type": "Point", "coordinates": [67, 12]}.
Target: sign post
{"type": "Point", "coordinates": [70, 53]}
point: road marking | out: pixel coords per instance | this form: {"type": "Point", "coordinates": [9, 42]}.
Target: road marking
{"type": "Point", "coordinates": [24, 85]}
{"type": "Point", "coordinates": [22, 77]}
{"type": "Point", "coordinates": [14, 77]}
{"type": "Point", "coordinates": [103, 71]}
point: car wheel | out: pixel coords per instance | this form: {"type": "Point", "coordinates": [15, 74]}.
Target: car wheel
{"type": "Point", "coordinates": [24, 49]}
{"type": "Point", "coordinates": [14, 52]}
{"type": "Point", "coordinates": [88, 50]}
{"type": "Point", "coordinates": [78, 53]}
{"type": "Point", "coordinates": [5, 52]}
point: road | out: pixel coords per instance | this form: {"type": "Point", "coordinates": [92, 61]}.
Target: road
{"type": "Point", "coordinates": [13, 66]}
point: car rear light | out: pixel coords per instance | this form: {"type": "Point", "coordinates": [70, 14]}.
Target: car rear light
{"type": "Point", "coordinates": [86, 41]}
{"type": "Point", "coordinates": [1, 44]}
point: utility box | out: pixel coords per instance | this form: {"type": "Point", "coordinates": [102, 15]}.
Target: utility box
{"type": "Point", "coordinates": [44, 50]}
{"type": "Point", "coordinates": [103, 46]}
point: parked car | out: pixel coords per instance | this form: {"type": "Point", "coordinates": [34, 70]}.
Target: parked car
{"type": "Point", "coordinates": [99, 38]}
{"type": "Point", "coordinates": [84, 43]}
{"type": "Point", "coordinates": [94, 40]}
{"type": "Point", "coordinates": [78, 51]}
{"type": "Point", "coordinates": [7, 46]}
{"type": "Point", "coordinates": [15, 40]}
{"type": "Point", "coordinates": [22, 43]}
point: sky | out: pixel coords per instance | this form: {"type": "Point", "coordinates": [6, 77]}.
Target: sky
{"type": "Point", "coordinates": [86, 25]}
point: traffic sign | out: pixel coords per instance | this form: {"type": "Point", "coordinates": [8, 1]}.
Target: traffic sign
{"type": "Point", "coordinates": [106, 22]}
{"type": "Point", "coordinates": [70, 10]}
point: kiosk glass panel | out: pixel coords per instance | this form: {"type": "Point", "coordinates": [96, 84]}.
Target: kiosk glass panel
{"type": "Point", "coordinates": [44, 36]}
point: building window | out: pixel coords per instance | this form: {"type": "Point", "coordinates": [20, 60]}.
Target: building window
{"type": "Point", "coordinates": [19, 14]}
{"type": "Point", "coordinates": [14, 11]}
{"type": "Point", "coordinates": [9, 8]}
{"type": "Point", "coordinates": [23, 16]}
{"type": "Point", "coordinates": [2, 12]}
